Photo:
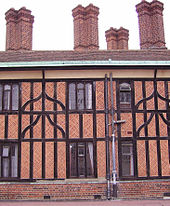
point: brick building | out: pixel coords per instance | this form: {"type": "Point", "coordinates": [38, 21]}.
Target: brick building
{"type": "Point", "coordinates": [87, 123]}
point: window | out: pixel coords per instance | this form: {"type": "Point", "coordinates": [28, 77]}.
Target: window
{"type": "Point", "coordinates": [125, 95]}
{"type": "Point", "coordinates": [81, 159]}
{"type": "Point", "coordinates": [80, 96]}
{"type": "Point", "coordinates": [9, 97]}
{"type": "Point", "coordinates": [9, 160]}
{"type": "Point", "coordinates": [127, 160]}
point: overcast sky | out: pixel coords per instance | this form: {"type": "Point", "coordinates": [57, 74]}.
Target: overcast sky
{"type": "Point", "coordinates": [53, 25]}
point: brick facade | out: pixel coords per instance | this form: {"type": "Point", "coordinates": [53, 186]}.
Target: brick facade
{"type": "Point", "coordinates": [56, 144]}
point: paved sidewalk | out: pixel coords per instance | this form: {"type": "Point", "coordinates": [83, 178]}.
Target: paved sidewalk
{"type": "Point", "coordinates": [88, 203]}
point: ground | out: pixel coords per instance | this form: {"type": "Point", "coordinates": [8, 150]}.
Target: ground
{"type": "Point", "coordinates": [88, 203]}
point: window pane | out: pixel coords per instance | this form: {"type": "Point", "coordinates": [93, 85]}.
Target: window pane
{"type": "Point", "coordinates": [73, 166]}
{"type": "Point", "coordinates": [88, 96]}
{"type": "Point", "coordinates": [14, 160]}
{"type": "Point", "coordinates": [7, 97]}
{"type": "Point", "coordinates": [15, 96]}
{"type": "Point", "coordinates": [89, 159]}
{"type": "Point", "coordinates": [5, 167]}
{"type": "Point", "coordinates": [80, 96]}
{"type": "Point", "coordinates": [72, 97]}
{"type": "Point", "coordinates": [5, 152]}
{"type": "Point", "coordinates": [1, 90]}
{"type": "Point", "coordinates": [127, 160]}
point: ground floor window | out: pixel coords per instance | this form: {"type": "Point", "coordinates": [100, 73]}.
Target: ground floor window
{"type": "Point", "coordinates": [8, 160]}
{"type": "Point", "coordinates": [81, 159]}
{"type": "Point", "coordinates": [127, 160]}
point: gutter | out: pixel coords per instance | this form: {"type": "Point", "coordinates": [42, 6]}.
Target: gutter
{"type": "Point", "coordinates": [82, 63]}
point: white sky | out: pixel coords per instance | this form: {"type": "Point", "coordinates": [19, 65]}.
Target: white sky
{"type": "Point", "coordinates": [53, 25]}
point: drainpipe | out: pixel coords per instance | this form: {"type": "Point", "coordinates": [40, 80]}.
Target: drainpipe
{"type": "Point", "coordinates": [107, 138]}
{"type": "Point", "coordinates": [114, 173]}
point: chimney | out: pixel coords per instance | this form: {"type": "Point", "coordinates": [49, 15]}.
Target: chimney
{"type": "Point", "coordinates": [117, 39]}
{"type": "Point", "coordinates": [151, 27]}
{"type": "Point", "coordinates": [19, 29]}
{"type": "Point", "coordinates": [86, 27]}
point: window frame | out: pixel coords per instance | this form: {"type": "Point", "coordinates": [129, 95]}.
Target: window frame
{"type": "Point", "coordinates": [131, 163]}
{"type": "Point", "coordinates": [8, 100]}
{"type": "Point", "coordinates": [125, 90]}
{"type": "Point", "coordinates": [88, 161]}
{"type": "Point", "coordinates": [78, 93]}
{"type": "Point", "coordinates": [12, 162]}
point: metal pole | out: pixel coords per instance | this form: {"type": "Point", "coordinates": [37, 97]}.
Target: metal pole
{"type": "Point", "coordinates": [114, 173]}
{"type": "Point", "coordinates": [107, 139]}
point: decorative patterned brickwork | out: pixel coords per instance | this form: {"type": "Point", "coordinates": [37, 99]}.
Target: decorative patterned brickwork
{"type": "Point", "coordinates": [88, 126]}
{"type": "Point", "coordinates": [49, 160]}
{"type": "Point", "coordinates": [140, 122]}
{"type": "Point", "coordinates": [25, 160]}
{"type": "Point", "coordinates": [138, 93]}
{"type": "Point", "coordinates": [100, 95]}
{"type": "Point", "coordinates": [61, 122]}
{"type": "Point", "coordinates": [126, 128]}
{"type": "Point", "coordinates": [161, 91]}
{"type": "Point", "coordinates": [37, 160]}
{"type": "Point", "coordinates": [49, 105]}
{"type": "Point", "coordinates": [49, 129]}
{"type": "Point", "coordinates": [74, 126]}
{"type": "Point", "coordinates": [37, 129]}
{"type": "Point", "coordinates": [61, 165]}
{"type": "Point", "coordinates": [141, 158]}
{"type": "Point", "coordinates": [163, 130]}
{"type": "Point", "coordinates": [25, 88]}
{"type": "Point", "coordinates": [100, 125]}
{"type": "Point", "coordinates": [13, 127]}
{"type": "Point", "coordinates": [37, 91]}
{"type": "Point", "coordinates": [153, 158]}
{"type": "Point", "coordinates": [149, 90]}
{"type": "Point", "coordinates": [25, 123]}
{"type": "Point", "coordinates": [2, 126]}
{"type": "Point", "coordinates": [101, 159]}
{"type": "Point", "coordinates": [61, 94]}
{"type": "Point", "coordinates": [165, 158]}
{"type": "Point", "coordinates": [152, 126]}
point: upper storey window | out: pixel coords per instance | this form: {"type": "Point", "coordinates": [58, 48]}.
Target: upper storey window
{"type": "Point", "coordinates": [125, 95]}
{"type": "Point", "coordinates": [9, 97]}
{"type": "Point", "coordinates": [80, 96]}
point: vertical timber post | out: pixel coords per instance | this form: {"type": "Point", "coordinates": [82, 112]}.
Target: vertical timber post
{"type": "Point", "coordinates": [107, 137]}
{"type": "Point", "coordinates": [114, 173]}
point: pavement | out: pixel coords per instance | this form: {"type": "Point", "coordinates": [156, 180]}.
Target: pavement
{"type": "Point", "coordinates": [88, 203]}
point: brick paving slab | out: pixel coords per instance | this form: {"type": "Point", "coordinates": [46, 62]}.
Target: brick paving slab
{"type": "Point", "coordinates": [88, 203]}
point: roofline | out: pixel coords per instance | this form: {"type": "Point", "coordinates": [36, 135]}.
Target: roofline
{"type": "Point", "coordinates": [82, 63]}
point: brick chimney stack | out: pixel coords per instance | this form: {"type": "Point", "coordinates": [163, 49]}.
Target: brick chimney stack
{"type": "Point", "coordinates": [19, 29]}
{"type": "Point", "coordinates": [151, 26]}
{"type": "Point", "coordinates": [86, 27]}
{"type": "Point", "coordinates": [117, 39]}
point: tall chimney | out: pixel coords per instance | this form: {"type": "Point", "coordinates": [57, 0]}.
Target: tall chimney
{"type": "Point", "coordinates": [86, 27]}
{"type": "Point", "coordinates": [19, 29]}
{"type": "Point", "coordinates": [117, 39]}
{"type": "Point", "coordinates": [151, 27]}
